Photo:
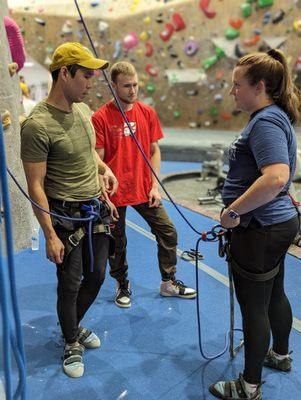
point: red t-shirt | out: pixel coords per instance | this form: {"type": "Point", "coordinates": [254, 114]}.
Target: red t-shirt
{"type": "Point", "coordinates": [122, 154]}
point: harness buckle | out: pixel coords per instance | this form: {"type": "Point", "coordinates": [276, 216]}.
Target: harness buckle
{"type": "Point", "coordinates": [73, 240]}
{"type": "Point", "coordinates": [107, 229]}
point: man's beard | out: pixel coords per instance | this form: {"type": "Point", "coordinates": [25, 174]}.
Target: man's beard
{"type": "Point", "coordinates": [126, 101]}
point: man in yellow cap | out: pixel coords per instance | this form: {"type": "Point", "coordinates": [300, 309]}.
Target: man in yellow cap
{"type": "Point", "coordinates": [62, 167]}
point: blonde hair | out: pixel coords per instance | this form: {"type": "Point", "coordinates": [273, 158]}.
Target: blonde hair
{"type": "Point", "coordinates": [121, 67]}
{"type": "Point", "coordinates": [272, 68]}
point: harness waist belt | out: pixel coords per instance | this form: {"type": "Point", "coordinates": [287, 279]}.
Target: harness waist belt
{"type": "Point", "coordinates": [68, 204]}
{"type": "Point", "coordinates": [262, 277]}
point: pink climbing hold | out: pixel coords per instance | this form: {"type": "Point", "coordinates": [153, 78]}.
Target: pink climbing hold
{"type": "Point", "coordinates": [15, 41]}
{"type": "Point", "coordinates": [131, 40]}
{"type": "Point", "coordinates": [149, 49]}
{"type": "Point", "coordinates": [152, 71]}
{"type": "Point", "coordinates": [167, 32]}
{"type": "Point", "coordinates": [204, 4]}
{"type": "Point", "coordinates": [178, 22]}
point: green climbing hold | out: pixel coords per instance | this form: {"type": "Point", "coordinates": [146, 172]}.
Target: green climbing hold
{"type": "Point", "coordinates": [150, 88]}
{"type": "Point", "coordinates": [264, 3]}
{"type": "Point", "coordinates": [246, 10]}
{"type": "Point", "coordinates": [219, 52]}
{"type": "Point", "coordinates": [213, 112]}
{"type": "Point", "coordinates": [209, 62]}
{"type": "Point", "coordinates": [176, 114]}
{"type": "Point", "coordinates": [231, 33]}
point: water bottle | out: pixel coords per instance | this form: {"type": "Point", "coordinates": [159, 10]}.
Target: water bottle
{"type": "Point", "coordinates": [35, 234]}
{"type": "Point", "coordinates": [35, 239]}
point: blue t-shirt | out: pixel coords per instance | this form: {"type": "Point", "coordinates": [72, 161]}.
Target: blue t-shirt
{"type": "Point", "coordinates": [268, 138]}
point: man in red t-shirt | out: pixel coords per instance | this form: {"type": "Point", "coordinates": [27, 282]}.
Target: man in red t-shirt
{"type": "Point", "coordinates": [137, 185]}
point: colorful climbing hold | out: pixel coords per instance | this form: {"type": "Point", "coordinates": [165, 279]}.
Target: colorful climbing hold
{"type": "Point", "coordinates": [192, 92]}
{"type": "Point", "coordinates": [213, 111]}
{"type": "Point", "coordinates": [236, 23]}
{"type": "Point", "coordinates": [191, 48]}
{"type": "Point", "coordinates": [6, 119]}
{"type": "Point", "coordinates": [131, 40]}
{"type": "Point", "coordinates": [278, 17]}
{"type": "Point", "coordinates": [144, 36]}
{"type": "Point", "coordinates": [231, 33]}
{"type": "Point", "coordinates": [117, 50]}
{"type": "Point", "coordinates": [167, 32]}
{"type": "Point", "coordinates": [178, 22]}
{"type": "Point", "coordinates": [264, 3]}
{"type": "Point", "coordinates": [147, 20]}
{"type": "Point", "coordinates": [176, 114]}
{"type": "Point", "coordinates": [149, 49]}
{"type": "Point", "coordinates": [246, 10]}
{"type": "Point", "coordinates": [218, 97]}
{"type": "Point", "coordinates": [252, 42]}
{"type": "Point", "coordinates": [266, 18]}
{"type": "Point", "coordinates": [40, 21]}
{"type": "Point", "coordinates": [152, 71]}
{"type": "Point", "coordinates": [204, 4]}
{"type": "Point", "coordinates": [15, 41]}
{"type": "Point", "coordinates": [209, 62]}
{"type": "Point", "coordinates": [297, 26]}
{"type": "Point", "coordinates": [103, 26]}
{"type": "Point", "coordinates": [13, 68]}
{"type": "Point", "coordinates": [225, 116]}
{"type": "Point", "coordinates": [150, 88]}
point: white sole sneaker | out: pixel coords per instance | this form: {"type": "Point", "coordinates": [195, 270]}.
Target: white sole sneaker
{"type": "Point", "coordinates": [73, 365]}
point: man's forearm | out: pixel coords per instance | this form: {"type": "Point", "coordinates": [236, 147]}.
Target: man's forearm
{"type": "Point", "coordinates": [39, 196]}
{"type": "Point", "coordinates": [155, 162]}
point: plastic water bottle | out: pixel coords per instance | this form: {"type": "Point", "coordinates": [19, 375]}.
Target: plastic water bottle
{"type": "Point", "coordinates": [35, 235]}
{"type": "Point", "coordinates": [35, 239]}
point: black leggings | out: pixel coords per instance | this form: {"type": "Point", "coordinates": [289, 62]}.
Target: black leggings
{"type": "Point", "coordinates": [264, 305]}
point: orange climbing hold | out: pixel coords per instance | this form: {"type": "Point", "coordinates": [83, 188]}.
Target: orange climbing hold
{"type": "Point", "coordinates": [252, 42]}
{"type": "Point", "coordinates": [236, 23]}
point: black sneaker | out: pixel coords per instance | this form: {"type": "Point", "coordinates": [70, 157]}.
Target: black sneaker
{"type": "Point", "coordinates": [123, 294]}
{"type": "Point", "coordinates": [271, 361]}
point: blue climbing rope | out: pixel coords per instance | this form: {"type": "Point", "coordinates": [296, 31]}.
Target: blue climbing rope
{"type": "Point", "coordinates": [12, 332]}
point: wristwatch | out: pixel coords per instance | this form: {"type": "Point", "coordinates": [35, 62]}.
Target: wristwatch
{"type": "Point", "coordinates": [232, 214]}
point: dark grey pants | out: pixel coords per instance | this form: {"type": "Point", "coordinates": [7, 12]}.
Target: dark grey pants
{"type": "Point", "coordinates": [77, 286]}
{"type": "Point", "coordinates": [166, 237]}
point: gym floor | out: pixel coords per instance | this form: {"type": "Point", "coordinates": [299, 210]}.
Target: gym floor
{"type": "Point", "coordinates": [149, 351]}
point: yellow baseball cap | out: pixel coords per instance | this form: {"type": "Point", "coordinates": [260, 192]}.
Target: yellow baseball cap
{"type": "Point", "coordinates": [71, 53]}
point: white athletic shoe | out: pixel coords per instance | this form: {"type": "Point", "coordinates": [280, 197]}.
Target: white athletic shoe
{"type": "Point", "coordinates": [88, 338]}
{"type": "Point", "coordinates": [176, 288]}
{"type": "Point", "coordinates": [73, 365]}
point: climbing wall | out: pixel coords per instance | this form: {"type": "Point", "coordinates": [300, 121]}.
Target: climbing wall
{"type": "Point", "coordinates": [184, 51]}
{"type": "Point", "coordinates": [10, 106]}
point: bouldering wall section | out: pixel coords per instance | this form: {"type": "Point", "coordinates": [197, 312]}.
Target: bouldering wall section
{"type": "Point", "coordinates": [184, 51]}
{"type": "Point", "coordinates": [10, 108]}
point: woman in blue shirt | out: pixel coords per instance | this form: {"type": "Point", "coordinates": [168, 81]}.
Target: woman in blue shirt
{"type": "Point", "coordinates": [261, 215]}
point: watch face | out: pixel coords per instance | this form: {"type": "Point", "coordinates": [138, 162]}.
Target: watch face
{"type": "Point", "coordinates": [232, 214]}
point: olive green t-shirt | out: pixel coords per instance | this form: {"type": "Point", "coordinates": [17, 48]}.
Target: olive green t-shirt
{"type": "Point", "coordinates": [66, 142]}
